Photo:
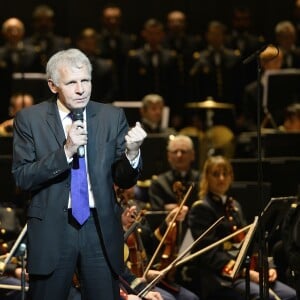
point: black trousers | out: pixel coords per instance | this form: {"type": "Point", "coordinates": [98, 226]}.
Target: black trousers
{"type": "Point", "coordinates": [82, 251]}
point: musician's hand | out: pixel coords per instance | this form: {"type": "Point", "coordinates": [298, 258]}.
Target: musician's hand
{"type": "Point", "coordinates": [254, 276]}
{"type": "Point", "coordinates": [128, 216]}
{"type": "Point", "coordinates": [153, 296]}
{"type": "Point", "coordinates": [18, 274]}
{"type": "Point", "coordinates": [181, 215]}
{"type": "Point", "coordinates": [272, 275]}
{"type": "Point", "coordinates": [133, 297]}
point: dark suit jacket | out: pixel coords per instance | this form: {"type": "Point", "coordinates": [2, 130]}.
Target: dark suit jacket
{"type": "Point", "coordinates": [40, 166]}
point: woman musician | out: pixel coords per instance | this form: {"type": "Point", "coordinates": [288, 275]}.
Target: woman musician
{"type": "Point", "coordinates": [150, 241]}
{"type": "Point", "coordinates": [211, 271]}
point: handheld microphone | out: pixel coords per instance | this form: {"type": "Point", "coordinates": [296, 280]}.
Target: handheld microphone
{"type": "Point", "coordinates": [78, 115]}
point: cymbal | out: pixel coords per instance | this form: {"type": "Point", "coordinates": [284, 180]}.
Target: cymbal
{"type": "Point", "coordinates": [210, 104]}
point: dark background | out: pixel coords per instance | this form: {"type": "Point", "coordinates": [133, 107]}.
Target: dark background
{"type": "Point", "coordinates": [73, 15]}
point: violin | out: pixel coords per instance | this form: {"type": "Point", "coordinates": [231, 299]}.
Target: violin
{"type": "Point", "coordinates": [171, 246]}
{"type": "Point", "coordinates": [134, 251]}
{"type": "Point", "coordinates": [136, 255]}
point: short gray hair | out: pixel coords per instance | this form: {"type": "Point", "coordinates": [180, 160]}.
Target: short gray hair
{"type": "Point", "coordinates": [152, 98]}
{"type": "Point", "coordinates": [285, 26]}
{"type": "Point", "coordinates": [71, 58]}
{"type": "Point", "coordinates": [180, 137]}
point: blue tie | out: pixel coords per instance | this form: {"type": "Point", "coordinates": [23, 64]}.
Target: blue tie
{"type": "Point", "coordinates": [79, 191]}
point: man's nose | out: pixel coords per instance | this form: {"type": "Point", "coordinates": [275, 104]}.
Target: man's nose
{"type": "Point", "coordinates": [79, 88]}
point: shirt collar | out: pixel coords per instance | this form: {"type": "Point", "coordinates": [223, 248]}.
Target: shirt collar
{"type": "Point", "coordinates": [63, 111]}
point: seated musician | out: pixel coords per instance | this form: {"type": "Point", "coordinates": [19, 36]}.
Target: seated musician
{"type": "Point", "coordinates": [143, 235]}
{"type": "Point", "coordinates": [18, 101]}
{"type": "Point", "coordinates": [11, 278]}
{"type": "Point", "coordinates": [211, 270]}
{"type": "Point", "coordinates": [291, 121]}
{"type": "Point", "coordinates": [151, 114]}
{"type": "Point", "coordinates": [181, 156]}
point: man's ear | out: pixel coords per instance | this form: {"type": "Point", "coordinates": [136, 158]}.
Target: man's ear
{"type": "Point", "coordinates": [52, 86]}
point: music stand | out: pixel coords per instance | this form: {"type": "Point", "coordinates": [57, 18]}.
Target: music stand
{"type": "Point", "coordinates": [244, 249]}
{"type": "Point", "coordinates": [270, 218]}
{"type": "Point", "coordinates": [276, 98]}
{"type": "Point", "coordinates": [274, 213]}
{"type": "Point", "coordinates": [33, 83]}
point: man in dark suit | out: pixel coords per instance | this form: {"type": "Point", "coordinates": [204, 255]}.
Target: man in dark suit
{"type": "Point", "coordinates": [46, 144]}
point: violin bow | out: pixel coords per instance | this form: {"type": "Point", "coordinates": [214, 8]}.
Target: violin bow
{"type": "Point", "coordinates": [168, 230]}
{"type": "Point", "coordinates": [13, 249]}
{"type": "Point", "coordinates": [176, 260]}
{"type": "Point", "coordinates": [217, 243]}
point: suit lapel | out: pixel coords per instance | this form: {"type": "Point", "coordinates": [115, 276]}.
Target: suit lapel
{"type": "Point", "coordinates": [92, 126]}
{"type": "Point", "coordinates": [54, 122]}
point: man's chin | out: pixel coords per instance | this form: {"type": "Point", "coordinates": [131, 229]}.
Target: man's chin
{"type": "Point", "coordinates": [81, 104]}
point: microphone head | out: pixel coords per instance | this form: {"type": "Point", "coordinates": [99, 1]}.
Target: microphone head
{"type": "Point", "coordinates": [77, 114]}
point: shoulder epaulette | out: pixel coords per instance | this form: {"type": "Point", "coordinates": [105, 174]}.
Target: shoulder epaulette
{"type": "Point", "coordinates": [198, 202]}
{"type": "Point", "coordinates": [196, 55]}
{"type": "Point", "coordinates": [237, 52]}
{"type": "Point", "coordinates": [132, 52]}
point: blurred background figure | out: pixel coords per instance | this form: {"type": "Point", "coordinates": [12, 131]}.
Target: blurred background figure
{"type": "Point", "coordinates": [44, 38]}
{"type": "Point", "coordinates": [291, 118]}
{"type": "Point", "coordinates": [15, 57]}
{"type": "Point", "coordinates": [18, 56]}
{"type": "Point", "coordinates": [104, 78]}
{"type": "Point", "coordinates": [286, 39]}
{"type": "Point", "coordinates": [113, 42]}
{"type": "Point", "coordinates": [152, 111]}
{"type": "Point", "coordinates": [153, 69]}
{"type": "Point", "coordinates": [216, 73]}
{"type": "Point", "coordinates": [295, 18]}
{"type": "Point", "coordinates": [242, 36]}
{"type": "Point", "coordinates": [17, 102]}
{"type": "Point", "coordinates": [179, 39]}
